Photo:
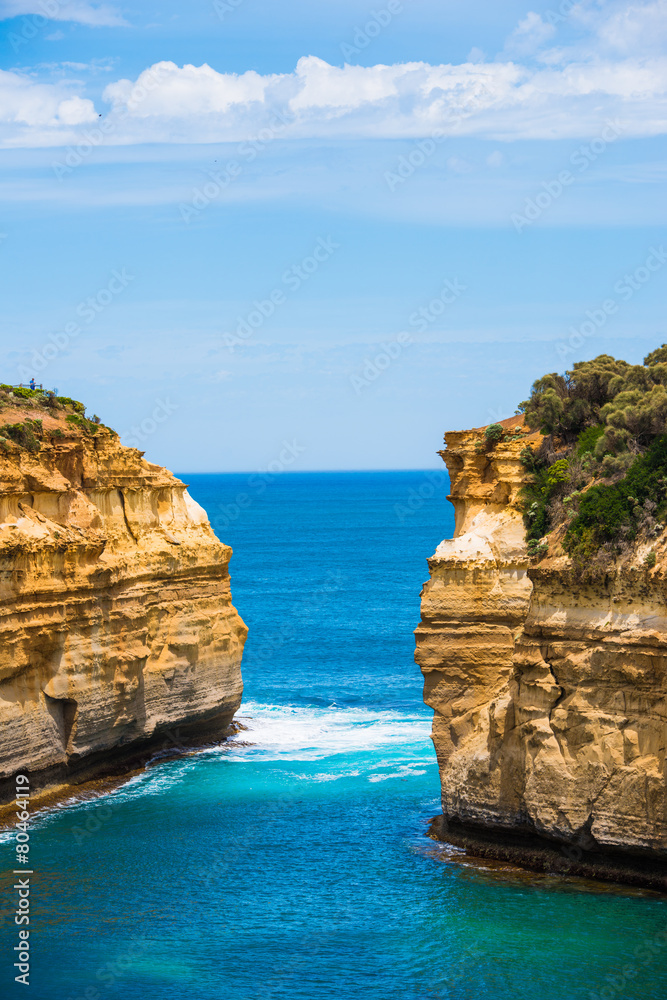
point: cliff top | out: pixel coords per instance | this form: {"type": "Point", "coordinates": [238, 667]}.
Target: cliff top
{"type": "Point", "coordinates": [28, 417]}
{"type": "Point", "coordinates": [597, 484]}
{"type": "Point", "coordinates": [47, 443]}
{"type": "Point", "coordinates": [518, 421]}
{"type": "Point", "coordinates": [584, 461]}
{"type": "Point", "coordinates": [513, 428]}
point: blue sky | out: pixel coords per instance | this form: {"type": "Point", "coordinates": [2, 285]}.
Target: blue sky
{"type": "Point", "coordinates": [250, 217]}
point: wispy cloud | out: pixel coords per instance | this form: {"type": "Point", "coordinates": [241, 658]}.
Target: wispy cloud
{"type": "Point", "coordinates": [94, 15]}
{"type": "Point", "coordinates": [529, 35]}
{"type": "Point", "coordinates": [628, 27]}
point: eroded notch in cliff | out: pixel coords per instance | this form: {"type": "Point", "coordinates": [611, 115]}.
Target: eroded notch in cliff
{"type": "Point", "coordinates": [63, 713]}
{"type": "Point", "coordinates": [127, 523]}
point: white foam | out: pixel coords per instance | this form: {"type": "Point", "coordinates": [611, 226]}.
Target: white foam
{"type": "Point", "coordinates": [280, 732]}
{"type": "Point", "coordinates": [406, 771]}
{"type": "Point", "coordinates": [326, 776]}
{"type": "Point", "coordinates": [285, 733]}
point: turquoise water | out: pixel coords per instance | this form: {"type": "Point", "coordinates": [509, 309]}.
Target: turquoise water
{"type": "Point", "coordinates": [292, 862]}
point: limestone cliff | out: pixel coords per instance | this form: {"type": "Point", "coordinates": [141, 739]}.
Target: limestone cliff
{"type": "Point", "coordinates": [116, 621]}
{"type": "Point", "coordinates": [550, 694]}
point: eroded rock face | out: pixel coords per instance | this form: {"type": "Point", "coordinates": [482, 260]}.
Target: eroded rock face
{"type": "Point", "coordinates": [116, 621]}
{"type": "Point", "coordinates": [550, 695]}
{"type": "Point", "coordinates": [590, 689]}
{"type": "Point", "coordinates": [472, 607]}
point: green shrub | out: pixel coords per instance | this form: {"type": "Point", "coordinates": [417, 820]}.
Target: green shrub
{"type": "Point", "coordinates": [588, 439]}
{"type": "Point", "coordinates": [633, 418]}
{"type": "Point", "coordinates": [537, 547]}
{"type": "Point", "coordinates": [24, 393]}
{"type": "Point", "coordinates": [650, 559]}
{"type": "Point", "coordinates": [659, 356]}
{"type": "Point", "coordinates": [493, 433]}
{"type": "Point", "coordinates": [23, 434]}
{"type": "Point", "coordinates": [608, 513]}
{"type": "Point", "coordinates": [77, 420]}
{"type": "Point", "coordinates": [556, 473]}
{"type": "Point", "coordinates": [72, 404]}
{"type": "Point", "coordinates": [87, 426]}
{"type": "Point", "coordinates": [603, 391]}
{"type": "Point", "coordinates": [565, 405]}
{"type": "Point", "coordinates": [50, 400]}
{"type": "Point", "coordinates": [527, 459]}
{"type": "Point", "coordinates": [536, 496]}
{"type": "Point", "coordinates": [609, 418]}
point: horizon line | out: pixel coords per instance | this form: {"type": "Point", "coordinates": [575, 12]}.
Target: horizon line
{"type": "Point", "coordinates": [299, 472]}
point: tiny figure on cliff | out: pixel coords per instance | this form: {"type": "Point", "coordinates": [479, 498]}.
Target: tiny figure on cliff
{"type": "Point", "coordinates": [32, 383]}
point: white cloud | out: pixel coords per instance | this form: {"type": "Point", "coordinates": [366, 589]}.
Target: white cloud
{"type": "Point", "coordinates": [76, 111]}
{"type": "Point", "coordinates": [529, 35]}
{"type": "Point", "coordinates": [568, 93]}
{"type": "Point", "coordinates": [321, 86]}
{"type": "Point", "coordinates": [167, 91]}
{"type": "Point", "coordinates": [636, 27]}
{"type": "Point", "coordinates": [500, 100]}
{"type": "Point", "coordinates": [93, 15]}
{"type": "Point", "coordinates": [25, 103]}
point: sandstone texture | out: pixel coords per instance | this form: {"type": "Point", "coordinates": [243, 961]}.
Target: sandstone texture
{"type": "Point", "coordinates": [550, 695]}
{"type": "Point", "coordinates": [116, 620]}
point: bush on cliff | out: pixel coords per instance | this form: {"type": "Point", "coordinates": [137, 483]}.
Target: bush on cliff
{"type": "Point", "coordinates": [72, 404]}
{"type": "Point", "coordinates": [604, 420]}
{"type": "Point", "coordinates": [563, 405]}
{"type": "Point", "coordinates": [550, 486]}
{"type": "Point", "coordinates": [611, 513]}
{"type": "Point", "coordinates": [629, 402]}
{"type": "Point", "coordinates": [24, 434]}
{"type": "Point", "coordinates": [87, 426]}
{"type": "Point", "coordinates": [588, 439]}
{"type": "Point", "coordinates": [24, 393]}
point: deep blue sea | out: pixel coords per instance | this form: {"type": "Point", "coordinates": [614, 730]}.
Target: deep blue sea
{"type": "Point", "coordinates": [292, 862]}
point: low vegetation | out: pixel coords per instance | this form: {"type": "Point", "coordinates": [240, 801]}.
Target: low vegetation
{"type": "Point", "coordinates": [495, 434]}
{"type": "Point", "coordinates": [29, 434]}
{"type": "Point", "coordinates": [601, 470]}
{"type": "Point", "coordinates": [87, 426]}
{"type": "Point", "coordinates": [26, 434]}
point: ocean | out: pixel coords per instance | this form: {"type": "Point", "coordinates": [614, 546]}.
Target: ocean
{"type": "Point", "coordinates": [293, 862]}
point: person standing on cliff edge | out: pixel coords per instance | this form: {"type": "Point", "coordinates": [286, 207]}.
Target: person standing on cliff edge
{"type": "Point", "coordinates": [32, 382]}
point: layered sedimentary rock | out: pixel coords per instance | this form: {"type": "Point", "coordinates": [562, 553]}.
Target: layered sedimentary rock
{"type": "Point", "coordinates": [550, 694]}
{"type": "Point", "coordinates": [116, 621]}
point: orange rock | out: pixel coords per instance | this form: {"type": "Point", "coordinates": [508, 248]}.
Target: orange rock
{"type": "Point", "coordinates": [116, 620]}
{"type": "Point", "coordinates": [549, 694]}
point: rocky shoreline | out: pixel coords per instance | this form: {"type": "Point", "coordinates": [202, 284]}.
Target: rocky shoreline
{"type": "Point", "coordinates": [539, 855]}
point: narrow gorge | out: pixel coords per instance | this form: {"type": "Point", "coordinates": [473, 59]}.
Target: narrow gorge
{"type": "Point", "coordinates": [549, 685]}
{"type": "Point", "coordinates": [117, 628]}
